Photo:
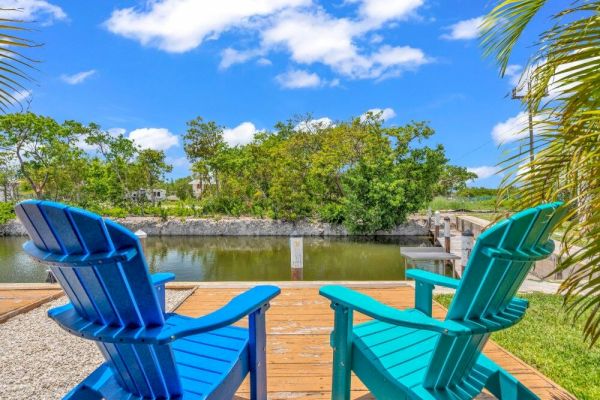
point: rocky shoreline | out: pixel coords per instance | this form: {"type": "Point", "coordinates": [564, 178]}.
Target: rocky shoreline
{"type": "Point", "coordinates": [154, 226]}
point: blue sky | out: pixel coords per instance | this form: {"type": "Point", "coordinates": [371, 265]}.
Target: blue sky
{"type": "Point", "coordinates": [144, 68]}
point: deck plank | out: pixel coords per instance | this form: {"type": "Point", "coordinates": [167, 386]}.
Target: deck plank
{"type": "Point", "coordinates": [14, 302]}
{"type": "Point", "coordinates": [298, 326]}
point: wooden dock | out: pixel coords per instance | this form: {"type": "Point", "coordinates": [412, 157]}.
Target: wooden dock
{"type": "Point", "coordinates": [17, 301]}
{"type": "Point", "coordinates": [298, 327]}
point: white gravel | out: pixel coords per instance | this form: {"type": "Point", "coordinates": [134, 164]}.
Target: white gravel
{"type": "Point", "coordinates": [39, 360]}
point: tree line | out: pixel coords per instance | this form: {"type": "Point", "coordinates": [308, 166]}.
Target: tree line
{"type": "Point", "coordinates": [358, 172]}
{"type": "Point", "coordinates": [52, 162]}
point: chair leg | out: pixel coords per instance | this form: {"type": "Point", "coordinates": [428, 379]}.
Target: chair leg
{"type": "Point", "coordinates": [505, 387]}
{"type": "Point", "coordinates": [82, 392]}
{"type": "Point", "coordinates": [258, 356]}
{"type": "Point", "coordinates": [342, 352]}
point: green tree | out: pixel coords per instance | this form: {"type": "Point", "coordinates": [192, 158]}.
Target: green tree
{"type": "Point", "coordinates": [38, 144]}
{"type": "Point", "coordinates": [181, 188]}
{"type": "Point", "coordinates": [562, 92]}
{"type": "Point", "coordinates": [118, 154]}
{"type": "Point", "coordinates": [202, 142]}
{"type": "Point", "coordinates": [151, 168]}
{"type": "Point", "coordinates": [68, 173]}
{"type": "Point", "coordinates": [8, 174]}
{"type": "Point", "coordinates": [478, 191]}
{"type": "Point", "coordinates": [389, 182]}
{"type": "Point", "coordinates": [453, 179]}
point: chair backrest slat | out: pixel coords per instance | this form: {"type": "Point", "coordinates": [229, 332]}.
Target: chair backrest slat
{"type": "Point", "coordinates": [119, 296]}
{"type": "Point", "coordinates": [487, 288]}
{"type": "Point", "coordinates": [96, 290]}
{"type": "Point", "coordinates": [63, 228]}
{"type": "Point", "coordinates": [106, 292]}
{"type": "Point", "coordinates": [64, 283]}
{"type": "Point", "coordinates": [141, 290]}
{"type": "Point", "coordinates": [112, 355]}
{"type": "Point", "coordinates": [43, 230]}
{"type": "Point", "coordinates": [87, 302]}
{"type": "Point", "coordinates": [153, 374]}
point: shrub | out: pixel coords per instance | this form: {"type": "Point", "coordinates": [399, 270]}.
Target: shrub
{"type": "Point", "coordinates": [7, 212]}
{"type": "Point", "coordinates": [332, 213]}
{"type": "Point", "coordinates": [115, 212]}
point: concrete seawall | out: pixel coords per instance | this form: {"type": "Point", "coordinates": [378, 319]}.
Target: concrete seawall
{"type": "Point", "coordinates": [233, 227]}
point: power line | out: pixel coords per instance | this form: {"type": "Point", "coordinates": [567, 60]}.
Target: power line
{"type": "Point", "coordinates": [473, 150]}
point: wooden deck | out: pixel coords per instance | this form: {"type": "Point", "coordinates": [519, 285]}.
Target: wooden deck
{"type": "Point", "coordinates": [17, 301]}
{"type": "Point", "coordinates": [299, 356]}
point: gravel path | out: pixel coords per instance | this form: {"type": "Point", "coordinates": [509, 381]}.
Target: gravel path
{"type": "Point", "coordinates": [39, 360]}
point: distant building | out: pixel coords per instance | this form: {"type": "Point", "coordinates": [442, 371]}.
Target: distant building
{"type": "Point", "coordinates": [172, 198]}
{"type": "Point", "coordinates": [199, 186]}
{"type": "Point", "coordinates": [153, 195]}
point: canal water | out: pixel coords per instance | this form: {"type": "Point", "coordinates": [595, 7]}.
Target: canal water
{"type": "Point", "coordinates": [242, 258]}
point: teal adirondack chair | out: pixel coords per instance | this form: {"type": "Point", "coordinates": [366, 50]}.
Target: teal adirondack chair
{"type": "Point", "coordinates": [149, 354]}
{"type": "Point", "coordinates": [410, 355]}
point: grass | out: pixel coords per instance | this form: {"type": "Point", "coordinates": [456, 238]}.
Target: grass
{"type": "Point", "coordinates": [458, 203]}
{"type": "Point", "coordinates": [546, 340]}
{"type": "Point", "coordinates": [487, 216]}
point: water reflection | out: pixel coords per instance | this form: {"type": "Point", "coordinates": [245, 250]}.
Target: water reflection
{"type": "Point", "coordinates": [246, 258]}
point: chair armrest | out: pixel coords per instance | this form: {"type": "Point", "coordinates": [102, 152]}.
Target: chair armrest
{"type": "Point", "coordinates": [381, 312]}
{"type": "Point", "coordinates": [161, 278]}
{"type": "Point", "coordinates": [239, 307]}
{"type": "Point", "coordinates": [425, 282]}
{"type": "Point", "coordinates": [432, 279]}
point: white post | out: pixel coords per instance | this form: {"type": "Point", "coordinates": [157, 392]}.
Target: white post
{"type": "Point", "coordinates": [466, 247]}
{"type": "Point", "coordinates": [429, 214]}
{"type": "Point", "coordinates": [297, 256]}
{"type": "Point", "coordinates": [436, 221]}
{"type": "Point", "coordinates": [447, 234]}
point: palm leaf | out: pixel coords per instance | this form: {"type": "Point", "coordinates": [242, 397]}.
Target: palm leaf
{"type": "Point", "coordinates": [563, 91]}
{"type": "Point", "coordinates": [15, 66]}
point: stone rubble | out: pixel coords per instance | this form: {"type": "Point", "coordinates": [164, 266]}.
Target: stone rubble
{"type": "Point", "coordinates": [243, 226]}
{"type": "Point", "coordinates": [39, 360]}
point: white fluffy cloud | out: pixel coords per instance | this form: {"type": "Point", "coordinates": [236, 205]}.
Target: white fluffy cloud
{"type": "Point", "coordinates": [377, 11]}
{"type": "Point", "coordinates": [22, 95]}
{"type": "Point", "coordinates": [301, 28]}
{"type": "Point", "coordinates": [317, 37]}
{"type": "Point", "coordinates": [114, 132]}
{"type": "Point", "coordinates": [240, 135]}
{"type": "Point", "coordinates": [264, 62]}
{"type": "Point", "coordinates": [296, 79]}
{"type": "Point", "coordinates": [76, 79]}
{"type": "Point", "coordinates": [117, 131]}
{"type": "Point", "coordinates": [556, 90]}
{"type": "Point", "coordinates": [511, 130]}
{"type": "Point", "coordinates": [231, 56]}
{"type": "Point", "coordinates": [312, 125]}
{"type": "Point", "coordinates": [513, 73]}
{"type": "Point", "coordinates": [181, 25]}
{"type": "Point", "coordinates": [484, 171]}
{"type": "Point", "coordinates": [40, 10]}
{"type": "Point", "coordinates": [179, 162]}
{"type": "Point", "coordinates": [384, 114]}
{"type": "Point", "coordinates": [154, 138]}
{"type": "Point", "coordinates": [464, 30]}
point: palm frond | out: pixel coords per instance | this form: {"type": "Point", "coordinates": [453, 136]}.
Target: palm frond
{"type": "Point", "coordinates": [503, 26]}
{"type": "Point", "coordinates": [563, 92]}
{"type": "Point", "coordinates": [15, 65]}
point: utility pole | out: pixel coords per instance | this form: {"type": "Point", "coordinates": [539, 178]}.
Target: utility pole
{"type": "Point", "coordinates": [517, 96]}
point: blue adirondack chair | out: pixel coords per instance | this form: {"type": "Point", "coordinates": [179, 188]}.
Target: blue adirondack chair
{"type": "Point", "coordinates": [410, 355]}
{"type": "Point", "coordinates": [116, 303]}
